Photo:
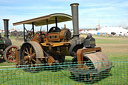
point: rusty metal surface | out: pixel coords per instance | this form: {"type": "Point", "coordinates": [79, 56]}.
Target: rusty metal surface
{"type": "Point", "coordinates": [92, 62]}
{"type": "Point", "coordinates": [40, 37]}
{"type": "Point", "coordinates": [62, 50]}
{"type": "Point", "coordinates": [36, 38]}
{"type": "Point", "coordinates": [95, 55]}
{"type": "Point", "coordinates": [80, 53]}
{"type": "Point", "coordinates": [17, 58]}
{"type": "Point", "coordinates": [50, 60]}
{"type": "Point", "coordinates": [65, 35]}
{"type": "Point", "coordinates": [62, 36]}
{"type": "Point", "coordinates": [99, 60]}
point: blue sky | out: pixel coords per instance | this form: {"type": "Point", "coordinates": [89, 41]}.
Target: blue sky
{"type": "Point", "coordinates": [108, 12]}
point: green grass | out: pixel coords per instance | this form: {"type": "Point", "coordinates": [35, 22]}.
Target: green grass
{"type": "Point", "coordinates": [116, 48]}
{"type": "Point", "coordinates": [13, 76]}
{"type": "Point", "coordinates": [109, 40]}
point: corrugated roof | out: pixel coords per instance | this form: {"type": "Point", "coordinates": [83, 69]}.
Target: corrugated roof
{"type": "Point", "coordinates": [42, 20]}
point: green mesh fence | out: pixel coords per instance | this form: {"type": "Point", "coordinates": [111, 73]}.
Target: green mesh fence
{"type": "Point", "coordinates": [65, 74]}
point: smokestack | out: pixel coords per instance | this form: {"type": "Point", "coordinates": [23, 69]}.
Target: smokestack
{"type": "Point", "coordinates": [75, 20]}
{"type": "Point", "coordinates": [6, 28]}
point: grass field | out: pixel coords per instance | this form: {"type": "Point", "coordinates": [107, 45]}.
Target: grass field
{"type": "Point", "coordinates": [116, 48]}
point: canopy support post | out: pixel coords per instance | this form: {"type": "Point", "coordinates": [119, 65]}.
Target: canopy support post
{"type": "Point", "coordinates": [24, 32]}
{"type": "Point", "coordinates": [56, 21]}
{"type": "Point", "coordinates": [33, 28]}
{"type": "Point", "coordinates": [47, 25]}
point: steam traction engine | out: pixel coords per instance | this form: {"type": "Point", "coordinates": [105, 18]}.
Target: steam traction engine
{"type": "Point", "coordinates": [7, 50]}
{"type": "Point", "coordinates": [53, 46]}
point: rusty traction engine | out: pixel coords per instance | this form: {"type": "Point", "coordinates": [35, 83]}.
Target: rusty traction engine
{"type": "Point", "coordinates": [7, 50]}
{"type": "Point", "coordinates": [52, 46]}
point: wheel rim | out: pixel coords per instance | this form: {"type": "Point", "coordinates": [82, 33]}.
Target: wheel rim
{"type": "Point", "coordinates": [10, 54]}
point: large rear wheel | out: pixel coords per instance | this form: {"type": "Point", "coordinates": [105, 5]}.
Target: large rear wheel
{"type": "Point", "coordinates": [30, 53]}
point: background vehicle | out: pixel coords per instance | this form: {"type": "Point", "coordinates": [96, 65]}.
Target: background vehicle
{"type": "Point", "coordinates": [7, 50]}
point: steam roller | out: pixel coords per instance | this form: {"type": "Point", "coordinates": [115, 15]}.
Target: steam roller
{"type": "Point", "coordinates": [51, 47]}
{"type": "Point", "coordinates": [7, 50]}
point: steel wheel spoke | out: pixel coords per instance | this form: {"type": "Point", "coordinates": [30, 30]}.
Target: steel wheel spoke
{"type": "Point", "coordinates": [34, 60]}
{"type": "Point", "coordinates": [26, 62]}
{"type": "Point", "coordinates": [27, 50]}
{"type": "Point", "coordinates": [13, 59]}
{"type": "Point", "coordinates": [10, 51]}
{"type": "Point", "coordinates": [9, 57]}
{"type": "Point", "coordinates": [26, 53]}
{"type": "Point", "coordinates": [30, 50]}
{"type": "Point", "coordinates": [33, 54]}
{"type": "Point", "coordinates": [29, 58]}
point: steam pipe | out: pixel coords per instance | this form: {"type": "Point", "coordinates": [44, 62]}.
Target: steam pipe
{"type": "Point", "coordinates": [6, 27]}
{"type": "Point", "coordinates": [75, 20]}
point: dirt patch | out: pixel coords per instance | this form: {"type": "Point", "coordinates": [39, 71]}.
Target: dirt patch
{"type": "Point", "coordinates": [114, 50]}
{"type": "Point", "coordinates": [17, 42]}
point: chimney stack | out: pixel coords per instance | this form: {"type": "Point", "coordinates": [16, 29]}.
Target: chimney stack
{"type": "Point", "coordinates": [6, 27]}
{"type": "Point", "coordinates": [75, 20]}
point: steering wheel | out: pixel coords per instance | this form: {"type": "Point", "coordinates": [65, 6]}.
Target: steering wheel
{"type": "Point", "coordinates": [54, 29]}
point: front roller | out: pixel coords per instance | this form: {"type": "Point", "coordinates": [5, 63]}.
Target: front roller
{"type": "Point", "coordinates": [89, 64]}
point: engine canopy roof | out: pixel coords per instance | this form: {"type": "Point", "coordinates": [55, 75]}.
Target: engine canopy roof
{"type": "Point", "coordinates": [61, 17]}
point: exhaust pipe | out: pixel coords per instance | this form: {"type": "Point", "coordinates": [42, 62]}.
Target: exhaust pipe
{"type": "Point", "coordinates": [76, 42]}
{"type": "Point", "coordinates": [75, 20]}
{"type": "Point", "coordinates": [6, 28]}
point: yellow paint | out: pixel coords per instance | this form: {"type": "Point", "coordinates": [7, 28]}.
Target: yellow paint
{"type": "Point", "coordinates": [55, 44]}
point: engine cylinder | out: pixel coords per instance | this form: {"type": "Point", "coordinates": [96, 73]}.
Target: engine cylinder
{"type": "Point", "coordinates": [65, 35]}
